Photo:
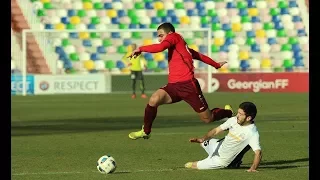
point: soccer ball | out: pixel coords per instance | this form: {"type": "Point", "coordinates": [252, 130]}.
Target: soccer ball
{"type": "Point", "coordinates": [106, 164]}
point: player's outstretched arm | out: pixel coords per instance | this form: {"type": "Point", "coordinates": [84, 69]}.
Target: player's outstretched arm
{"type": "Point", "coordinates": [256, 161]}
{"type": "Point", "coordinates": [197, 55]}
{"type": "Point", "coordinates": [213, 132]}
{"type": "Point", "coordinates": [155, 48]}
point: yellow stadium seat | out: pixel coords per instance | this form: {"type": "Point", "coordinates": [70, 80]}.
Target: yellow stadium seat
{"type": "Point", "coordinates": [87, 5]}
{"type": "Point", "coordinates": [253, 12]}
{"type": "Point", "coordinates": [260, 33]}
{"type": "Point", "coordinates": [60, 26]}
{"type": "Point", "coordinates": [45, 1]}
{"type": "Point", "coordinates": [218, 41]}
{"type": "Point", "coordinates": [223, 70]}
{"type": "Point", "coordinates": [184, 20]}
{"type": "Point", "coordinates": [194, 47]}
{"type": "Point", "coordinates": [147, 42]}
{"type": "Point", "coordinates": [125, 70]}
{"type": "Point", "coordinates": [84, 35]}
{"type": "Point", "coordinates": [75, 20]}
{"type": "Point", "coordinates": [158, 5]}
{"type": "Point", "coordinates": [266, 63]}
{"type": "Point", "coordinates": [236, 27]}
{"type": "Point", "coordinates": [89, 64]}
{"type": "Point", "coordinates": [159, 56]}
{"type": "Point", "coordinates": [244, 55]}
{"type": "Point", "coordinates": [112, 13]}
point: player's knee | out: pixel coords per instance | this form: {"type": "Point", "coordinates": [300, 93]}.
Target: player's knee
{"type": "Point", "coordinates": [206, 119]}
{"type": "Point", "coordinates": [154, 100]}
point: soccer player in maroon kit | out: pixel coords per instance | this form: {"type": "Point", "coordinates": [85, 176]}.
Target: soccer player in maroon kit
{"type": "Point", "coordinates": [182, 84]}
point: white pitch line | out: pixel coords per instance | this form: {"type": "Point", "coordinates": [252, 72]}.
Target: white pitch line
{"type": "Point", "coordinates": [130, 171]}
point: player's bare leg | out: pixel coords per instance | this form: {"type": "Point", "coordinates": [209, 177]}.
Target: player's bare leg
{"type": "Point", "coordinates": [216, 114]}
{"type": "Point", "coordinates": [158, 98]}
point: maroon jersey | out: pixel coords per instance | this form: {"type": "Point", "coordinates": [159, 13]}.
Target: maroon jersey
{"type": "Point", "coordinates": [180, 57]}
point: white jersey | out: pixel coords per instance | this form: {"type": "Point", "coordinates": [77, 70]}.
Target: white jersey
{"type": "Point", "coordinates": [236, 140]}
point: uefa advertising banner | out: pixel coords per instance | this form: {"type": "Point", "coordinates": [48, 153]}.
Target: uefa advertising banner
{"type": "Point", "coordinates": [70, 84]}
{"type": "Point", "coordinates": [256, 82]}
{"type": "Point", "coordinates": [16, 84]}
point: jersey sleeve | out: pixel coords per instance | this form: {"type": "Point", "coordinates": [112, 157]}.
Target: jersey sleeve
{"type": "Point", "coordinates": [197, 55]}
{"type": "Point", "coordinates": [254, 142]}
{"type": "Point", "coordinates": [227, 125]}
{"type": "Point", "coordinates": [169, 41]}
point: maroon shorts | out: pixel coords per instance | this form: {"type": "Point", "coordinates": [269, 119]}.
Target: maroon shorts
{"type": "Point", "coordinates": [189, 91]}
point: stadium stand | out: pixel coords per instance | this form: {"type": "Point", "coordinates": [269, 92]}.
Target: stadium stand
{"type": "Point", "coordinates": [252, 35]}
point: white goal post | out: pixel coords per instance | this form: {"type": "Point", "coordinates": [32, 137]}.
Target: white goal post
{"type": "Point", "coordinates": [44, 39]}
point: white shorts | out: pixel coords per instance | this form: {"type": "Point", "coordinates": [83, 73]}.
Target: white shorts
{"type": "Point", "coordinates": [212, 161]}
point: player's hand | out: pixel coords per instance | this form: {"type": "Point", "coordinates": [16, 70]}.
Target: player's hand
{"type": "Point", "coordinates": [196, 140]}
{"type": "Point", "coordinates": [129, 64]}
{"type": "Point", "coordinates": [252, 170]}
{"type": "Point", "coordinates": [135, 53]}
{"type": "Point", "coordinates": [223, 63]}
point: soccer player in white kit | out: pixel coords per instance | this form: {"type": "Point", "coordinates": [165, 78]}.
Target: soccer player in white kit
{"type": "Point", "coordinates": [242, 132]}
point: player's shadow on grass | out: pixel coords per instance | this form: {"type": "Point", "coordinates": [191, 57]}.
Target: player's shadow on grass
{"type": "Point", "coordinates": [279, 164]}
{"type": "Point", "coordinates": [61, 126]}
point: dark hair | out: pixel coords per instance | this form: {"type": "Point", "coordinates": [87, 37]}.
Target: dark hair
{"type": "Point", "coordinates": [249, 108]}
{"type": "Point", "coordinates": [167, 27]}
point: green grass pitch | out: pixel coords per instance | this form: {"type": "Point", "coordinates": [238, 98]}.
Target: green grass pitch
{"type": "Point", "coordinates": [62, 137]}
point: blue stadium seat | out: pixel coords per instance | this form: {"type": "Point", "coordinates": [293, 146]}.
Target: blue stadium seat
{"type": "Point", "coordinates": [224, 48]}
{"type": "Point", "coordinates": [171, 12]}
{"type": "Point", "coordinates": [206, 25]}
{"type": "Point", "coordinates": [255, 19]}
{"type": "Point", "coordinates": [296, 47]}
{"type": "Point", "coordinates": [226, 27]}
{"type": "Point", "coordinates": [278, 25]}
{"type": "Point", "coordinates": [215, 19]}
{"type": "Point", "coordinates": [72, 12]}
{"type": "Point", "coordinates": [121, 13]}
{"type": "Point", "coordinates": [231, 5]}
{"type": "Point", "coordinates": [243, 12]}
{"type": "Point", "coordinates": [301, 32]}
{"type": "Point", "coordinates": [255, 48]}
{"type": "Point", "coordinates": [276, 19]}
{"type": "Point", "coordinates": [162, 64]}
{"type": "Point", "coordinates": [148, 56]}
{"type": "Point", "coordinates": [251, 34]}
{"type": "Point", "coordinates": [203, 49]}
{"type": "Point", "coordinates": [229, 41]}
{"type": "Point", "coordinates": [120, 65]}
{"type": "Point", "coordinates": [133, 26]}
{"type": "Point", "coordinates": [127, 42]}
{"type": "Point", "coordinates": [91, 26]}
{"type": "Point", "coordinates": [48, 26]}
{"type": "Point", "coordinates": [115, 34]}
{"type": "Point", "coordinates": [65, 20]}
{"type": "Point", "coordinates": [192, 12]}
{"type": "Point", "coordinates": [115, 20]}
{"type": "Point", "coordinates": [94, 56]}
{"type": "Point", "coordinates": [74, 35]}
{"type": "Point", "coordinates": [293, 4]}
{"type": "Point", "coordinates": [251, 4]}
{"type": "Point", "coordinates": [107, 6]}
{"type": "Point", "coordinates": [86, 43]}
{"type": "Point", "coordinates": [59, 49]}
{"type": "Point", "coordinates": [244, 65]}
{"type": "Point", "coordinates": [149, 5]}
{"type": "Point", "coordinates": [156, 20]}
{"type": "Point", "coordinates": [284, 11]}
{"type": "Point", "coordinates": [200, 6]}
{"type": "Point", "coordinates": [296, 19]}
{"type": "Point", "coordinates": [101, 50]}
{"type": "Point", "coordinates": [202, 13]}
{"type": "Point", "coordinates": [175, 20]}
{"type": "Point", "coordinates": [166, 19]}
{"type": "Point", "coordinates": [143, 26]}
{"type": "Point", "coordinates": [272, 41]}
